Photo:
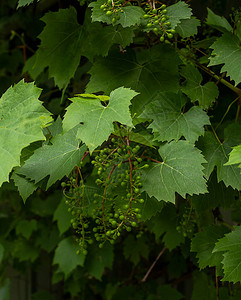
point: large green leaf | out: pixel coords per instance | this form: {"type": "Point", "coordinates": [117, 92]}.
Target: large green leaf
{"type": "Point", "coordinates": [56, 160]}
{"type": "Point", "coordinates": [61, 41]}
{"type": "Point", "coordinates": [188, 27]}
{"type": "Point", "coordinates": [178, 12]}
{"type": "Point", "coordinates": [230, 245]}
{"type": "Point", "coordinates": [165, 223]}
{"type": "Point", "coordinates": [216, 154]}
{"type": "Point", "coordinates": [98, 119]}
{"type": "Point", "coordinates": [218, 22]}
{"type": "Point", "coordinates": [227, 51]}
{"type": "Point", "coordinates": [146, 72]}
{"type": "Point", "coordinates": [169, 122]}
{"type": "Point", "coordinates": [99, 259]}
{"type": "Point", "coordinates": [65, 256]}
{"type": "Point", "coordinates": [22, 117]}
{"type": "Point", "coordinates": [205, 94]}
{"type": "Point", "coordinates": [203, 243]}
{"type": "Point", "coordinates": [179, 172]}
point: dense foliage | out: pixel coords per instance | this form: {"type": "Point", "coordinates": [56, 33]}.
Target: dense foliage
{"type": "Point", "coordinates": [120, 148]}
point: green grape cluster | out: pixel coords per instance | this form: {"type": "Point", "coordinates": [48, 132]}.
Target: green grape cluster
{"type": "Point", "coordinates": [112, 8]}
{"type": "Point", "coordinates": [158, 22]}
{"type": "Point", "coordinates": [117, 205]}
{"type": "Point", "coordinates": [187, 223]}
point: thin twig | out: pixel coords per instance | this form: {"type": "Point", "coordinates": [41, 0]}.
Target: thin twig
{"type": "Point", "coordinates": [153, 264]}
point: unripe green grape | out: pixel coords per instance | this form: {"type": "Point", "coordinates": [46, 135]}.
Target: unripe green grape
{"type": "Point", "coordinates": [100, 245]}
{"type": "Point", "coordinates": [77, 252]}
{"type": "Point", "coordinates": [149, 25]}
{"type": "Point", "coordinates": [116, 215]}
{"type": "Point", "coordinates": [168, 23]}
{"type": "Point", "coordinates": [128, 229]}
{"type": "Point", "coordinates": [85, 252]}
{"type": "Point", "coordinates": [102, 6]}
{"type": "Point", "coordinates": [137, 190]}
{"type": "Point", "coordinates": [163, 19]}
{"type": "Point", "coordinates": [141, 201]}
{"type": "Point", "coordinates": [154, 11]}
{"type": "Point", "coordinates": [156, 22]}
{"type": "Point", "coordinates": [109, 13]}
{"type": "Point", "coordinates": [63, 184]}
{"type": "Point", "coordinates": [173, 31]}
{"type": "Point", "coordinates": [113, 140]}
{"type": "Point", "coordinates": [122, 217]}
{"type": "Point", "coordinates": [164, 11]}
{"type": "Point", "coordinates": [133, 224]}
{"type": "Point", "coordinates": [170, 35]}
{"type": "Point", "coordinates": [162, 39]}
{"type": "Point", "coordinates": [146, 16]}
{"type": "Point", "coordinates": [163, 6]}
{"type": "Point", "coordinates": [125, 206]}
{"type": "Point", "coordinates": [146, 166]}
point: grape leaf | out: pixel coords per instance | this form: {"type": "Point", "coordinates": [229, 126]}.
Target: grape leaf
{"type": "Point", "coordinates": [134, 249]}
{"type": "Point", "coordinates": [188, 27]}
{"type": "Point", "coordinates": [62, 216]}
{"type": "Point", "coordinates": [165, 291]}
{"type": "Point", "coordinates": [169, 122]}
{"type": "Point", "coordinates": [98, 119]}
{"type": "Point", "coordinates": [165, 223]}
{"type": "Point", "coordinates": [24, 2]}
{"type": "Point", "coordinates": [230, 245]}
{"type": "Point", "coordinates": [21, 120]}
{"type": "Point", "coordinates": [218, 196]}
{"type": "Point", "coordinates": [48, 241]}
{"type": "Point", "coordinates": [146, 72]}
{"type": "Point", "coordinates": [227, 51]}
{"type": "Point", "coordinates": [129, 16]}
{"type": "Point", "coordinates": [180, 171]}
{"type": "Point", "coordinates": [99, 259]}
{"type": "Point", "coordinates": [25, 187]}
{"type": "Point", "coordinates": [235, 156]}
{"type": "Point", "coordinates": [205, 94]}
{"type": "Point", "coordinates": [25, 251]}
{"type": "Point", "coordinates": [203, 243]}
{"type": "Point", "coordinates": [60, 38]}
{"type": "Point", "coordinates": [65, 256]}
{"type": "Point", "coordinates": [26, 228]}
{"type": "Point", "coordinates": [203, 287]}
{"type": "Point", "coordinates": [178, 12]}
{"type": "Point", "coordinates": [56, 160]}
{"type": "Point", "coordinates": [216, 154]}
{"type": "Point", "coordinates": [218, 22]}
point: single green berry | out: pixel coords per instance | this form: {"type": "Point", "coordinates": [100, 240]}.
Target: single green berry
{"type": "Point", "coordinates": [170, 35]}
{"type": "Point", "coordinates": [146, 16]}
{"type": "Point", "coordinates": [154, 11]}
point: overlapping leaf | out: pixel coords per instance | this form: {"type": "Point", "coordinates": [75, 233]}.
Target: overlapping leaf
{"type": "Point", "coordinates": [188, 27]}
{"type": "Point", "coordinates": [179, 172]}
{"type": "Point", "coordinates": [229, 246]}
{"type": "Point", "coordinates": [216, 154]}
{"type": "Point", "coordinates": [98, 119]}
{"type": "Point", "coordinates": [146, 72]}
{"type": "Point", "coordinates": [66, 257]}
{"type": "Point", "coordinates": [177, 12]}
{"type": "Point", "coordinates": [22, 117]}
{"type": "Point", "coordinates": [203, 243]}
{"type": "Point", "coordinates": [24, 2]}
{"type": "Point", "coordinates": [205, 94]}
{"type": "Point", "coordinates": [218, 22]}
{"type": "Point", "coordinates": [129, 16]}
{"type": "Point", "coordinates": [165, 223]}
{"type": "Point", "coordinates": [227, 51]}
{"type": "Point", "coordinates": [56, 160]}
{"type": "Point", "coordinates": [235, 156]}
{"type": "Point", "coordinates": [61, 38]}
{"type": "Point", "coordinates": [169, 122]}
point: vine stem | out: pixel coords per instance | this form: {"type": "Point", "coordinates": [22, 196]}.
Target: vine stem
{"type": "Point", "coordinates": [153, 264]}
{"type": "Point", "coordinates": [238, 110]}
{"type": "Point", "coordinates": [238, 98]}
